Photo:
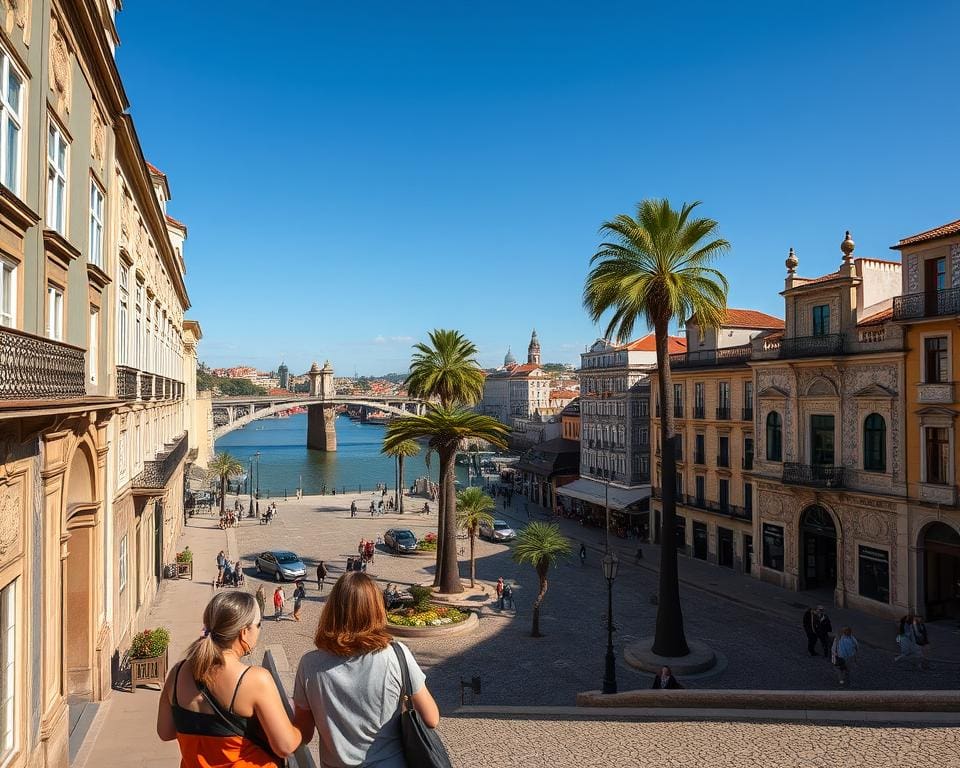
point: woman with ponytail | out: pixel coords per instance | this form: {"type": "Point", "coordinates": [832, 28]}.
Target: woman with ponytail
{"type": "Point", "coordinates": [220, 710]}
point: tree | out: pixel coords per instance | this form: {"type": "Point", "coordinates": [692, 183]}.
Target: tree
{"type": "Point", "coordinates": [400, 451]}
{"type": "Point", "coordinates": [541, 545]}
{"type": "Point", "coordinates": [224, 466]}
{"type": "Point", "coordinates": [473, 510]}
{"type": "Point", "coordinates": [656, 267]}
{"type": "Point", "coordinates": [444, 428]}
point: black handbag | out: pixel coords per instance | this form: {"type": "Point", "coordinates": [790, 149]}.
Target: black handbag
{"type": "Point", "coordinates": [422, 747]}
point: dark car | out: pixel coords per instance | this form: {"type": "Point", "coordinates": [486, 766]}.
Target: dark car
{"type": "Point", "coordinates": [281, 564]}
{"type": "Point", "coordinates": [400, 540]}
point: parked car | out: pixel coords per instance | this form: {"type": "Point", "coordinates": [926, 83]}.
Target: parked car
{"type": "Point", "coordinates": [281, 564]}
{"type": "Point", "coordinates": [400, 540]}
{"type": "Point", "coordinates": [499, 531]}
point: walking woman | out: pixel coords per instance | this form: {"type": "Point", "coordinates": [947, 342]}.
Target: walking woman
{"type": "Point", "coordinates": [349, 688]}
{"type": "Point", "coordinates": [261, 597]}
{"type": "Point", "coordinates": [298, 594]}
{"type": "Point", "coordinates": [253, 730]}
{"type": "Point", "coordinates": [843, 653]}
{"type": "Point", "coordinates": [278, 601]}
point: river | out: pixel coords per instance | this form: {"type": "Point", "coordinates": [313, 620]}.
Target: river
{"type": "Point", "coordinates": [285, 461]}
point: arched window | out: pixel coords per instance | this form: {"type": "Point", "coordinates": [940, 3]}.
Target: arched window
{"type": "Point", "coordinates": [774, 437]}
{"type": "Point", "coordinates": [875, 443]}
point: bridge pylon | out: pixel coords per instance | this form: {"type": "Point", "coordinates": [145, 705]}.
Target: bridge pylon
{"type": "Point", "coordinates": [322, 419]}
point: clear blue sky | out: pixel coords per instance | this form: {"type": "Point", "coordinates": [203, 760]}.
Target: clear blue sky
{"type": "Point", "coordinates": [355, 174]}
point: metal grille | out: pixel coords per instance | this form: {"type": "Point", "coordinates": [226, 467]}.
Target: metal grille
{"type": "Point", "coordinates": [812, 346]}
{"type": "Point", "coordinates": [34, 368]}
{"type": "Point", "coordinates": [126, 383]}
{"type": "Point", "coordinates": [812, 475]}
{"type": "Point", "coordinates": [157, 473]}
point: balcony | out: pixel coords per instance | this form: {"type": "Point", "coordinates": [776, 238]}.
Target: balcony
{"type": "Point", "coordinates": [677, 411]}
{"type": "Point", "coordinates": [916, 306]}
{"type": "Point", "coordinates": [723, 460]}
{"type": "Point", "coordinates": [711, 357]}
{"type": "Point", "coordinates": [35, 368]}
{"type": "Point", "coordinates": [746, 414]}
{"type": "Point", "coordinates": [723, 414]}
{"type": "Point", "coordinates": [935, 392]}
{"type": "Point", "coordinates": [126, 383]}
{"type": "Point", "coordinates": [157, 473]}
{"type": "Point", "coordinates": [699, 412]}
{"type": "Point", "coordinates": [748, 462]}
{"type": "Point", "coordinates": [139, 385]}
{"type": "Point", "coordinates": [720, 508]}
{"type": "Point", "coordinates": [813, 475]}
{"type": "Point", "coordinates": [812, 346]}
{"type": "Point", "coordinates": [699, 458]}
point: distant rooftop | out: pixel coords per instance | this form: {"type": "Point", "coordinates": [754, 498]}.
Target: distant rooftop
{"type": "Point", "coordinates": [944, 230]}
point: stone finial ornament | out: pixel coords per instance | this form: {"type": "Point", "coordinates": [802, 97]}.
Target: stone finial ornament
{"type": "Point", "coordinates": [792, 262]}
{"type": "Point", "coordinates": [847, 246]}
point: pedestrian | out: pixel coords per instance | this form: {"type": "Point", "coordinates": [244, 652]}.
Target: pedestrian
{"type": "Point", "coordinates": [583, 553]}
{"type": "Point", "coordinates": [843, 653]}
{"type": "Point", "coordinates": [353, 508]}
{"type": "Point", "coordinates": [500, 593]}
{"type": "Point", "coordinates": [373, 508]}
{"type": "Point", "coordinates": [808, 619]}
{"type": "Point", "coordinates": [298, 594]}
{"type": "Point", "coordinates": [639, 556]}
{"type": "Point", "coordinates": [665, 680]}
{"type": "Point", "coordinates": [237, 574]}
{"type": "Point", "coordinates": [351, 686]}
{"type": "Point", "coordinates": [262, 599]}
{"type": "Point", "coordinates": [923, 640]}
{"type": "Point", "coordinates": [259, 734]}
{"type": "Point", "coordinates": [321, 575]}
{"type": "Point", "coordinates": [822, 627]}
{"type": "Point", "coordinates": [508, 596]}
{"type": "Point", "coordinates": [278, 601]}
{"type": "Point", "coordinates": [910, 638]}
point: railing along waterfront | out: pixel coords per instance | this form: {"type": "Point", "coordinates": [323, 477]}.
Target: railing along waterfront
{"type": "Point", "coordinates": [35, 368]}
{"type": "Point", "coordinates": [931, 304]}
{"type": "Point", "coordinates": [157, 473]}
{"type": "Point", "coordinates": [812, 346]}
{"type": "Point", "coordinates": [706, 357]}
{"type": "Point", "coordinates": [814, 475]}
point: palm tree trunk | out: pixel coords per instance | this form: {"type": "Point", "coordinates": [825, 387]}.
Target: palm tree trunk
{"type": "Point", "coordinates": [543, 568]}
{"type": "Point", "coordinates": [396, 481]}
{"type": "Point", "coordinates": [223, 495]}
{"type": "Point", "coordinates": [400, 484]}
{"type": "Point", "coordinates": [448, 573]}
{"type": "Point", "coordinates": [669, 639]}
{"type": "Point", "coordinates": [473, 562]}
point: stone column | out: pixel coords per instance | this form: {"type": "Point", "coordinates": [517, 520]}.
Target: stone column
{"type": "Point", "coordinates": [321, 428]}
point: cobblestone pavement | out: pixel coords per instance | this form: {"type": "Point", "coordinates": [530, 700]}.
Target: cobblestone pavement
{"type": "Point", "coordinates": [530, 743]}
{"type": "Point", "coordinates": [762, 650]}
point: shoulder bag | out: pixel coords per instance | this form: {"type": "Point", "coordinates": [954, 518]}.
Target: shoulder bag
{"type": "Point", "coordinates": [422, 747]}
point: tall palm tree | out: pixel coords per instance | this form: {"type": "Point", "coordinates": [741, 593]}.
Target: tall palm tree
{"type": "Point", "coordinates": [444, 428]}
{"type": "Point", "coordinates": [400, 451]}
{"type": "Point", "coordinates": [656, 267]}
{"type": "Point", "coordinates": [541, 545]}
{"type": "Point", "coordinates": [473, 510]}
{"type": "Point", "coordinates": [446, 369]}
{"type": "Point", "coordinates": [224, 466]}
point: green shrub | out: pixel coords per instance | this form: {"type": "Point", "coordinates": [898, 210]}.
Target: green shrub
{"type": "Point", "coordinates": [185, 557]}
{"type": "Point", "coordinates": [421, 597]}
{"type": "Point", "coordinates": [424, 545]}
{"type": "Point", "coordinates": [149, 643]}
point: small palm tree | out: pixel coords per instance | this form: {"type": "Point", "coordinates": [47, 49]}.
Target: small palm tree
{"type": "Point", "coordinates": [224, 466]}
{"type": "Point", "coordinates": [445, 428]}
{"type": "Point", "coordinates": [400, 451]}
{"type": "Point", "coordinates": [473, 510]}
{"type": "Point", "coordinates": [656, 267]}
{"type": "Point", "coordinates": [541, 545]}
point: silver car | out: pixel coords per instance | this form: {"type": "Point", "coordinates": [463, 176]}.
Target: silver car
{"type": "Point", "coordinates": [499, 531]}
{"type": "Point", "coordinates": [281, 564]}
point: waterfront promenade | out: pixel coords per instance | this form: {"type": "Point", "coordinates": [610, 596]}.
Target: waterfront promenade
{"type": "Point", "coordinates": [519, 671]}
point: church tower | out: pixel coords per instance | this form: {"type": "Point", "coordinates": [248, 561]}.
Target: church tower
{"type": "Point", "coordinates": [533, 351]}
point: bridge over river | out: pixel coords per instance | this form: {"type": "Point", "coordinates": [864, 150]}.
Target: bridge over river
{"type": "Point", "coordinates": [322, 402]}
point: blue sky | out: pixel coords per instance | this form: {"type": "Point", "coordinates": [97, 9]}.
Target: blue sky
{"type": "Point", "coordinates": [355, 174]}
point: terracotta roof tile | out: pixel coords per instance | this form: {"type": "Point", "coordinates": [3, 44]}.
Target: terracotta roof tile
{"type": "Point", "coordinates": [878, 318]}
{"type": "Point", "coordinates": [750, 318]}
{"type": "Point", "coordinates": [944, 230]}
{"type": "Point", "coordinates": [176, 223]}
{"type": "Point", "coordinates": [648, 343]}
{"type": "Point", "coordinates": [821, 279]}
{"type": "Point", "coordinates": [154, 170]}
{"type": "Point", "coordinates": [563, 394]}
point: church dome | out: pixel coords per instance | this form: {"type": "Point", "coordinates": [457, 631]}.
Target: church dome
{"type": "Point", "coordinates": [509, 359]}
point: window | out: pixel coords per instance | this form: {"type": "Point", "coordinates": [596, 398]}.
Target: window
{"type": "Point", "coordinates": [748, 395]}
{"type": "Point", "coordinates": [773, 547]}
{"type": "Point", "coordinates": [821, 320]}
{"type": "Point", "coordinates": [54, 313]}
{"type": "Point", "coordinates": [937, 454]}
{"type": "Point", "coordinates": [698, 450]}
{"type": "Point", "coordinates": [93, 344]}
{"type": "Point", "coordinates": [122, 564]}
{"type": "Point", "coordinates": [679, 488]}
{"type": "Point", "coordinates": [723, 394]}
{"type": "Point", "coordinates": [875, 443]}
{"type": "Point", "coordinates": [645, 467]}
{"type": "Point", "coordinates": [748, 453]}
{"type": "Point", "coordinates": [8, 294]}
{"type": "Point", "coordinates": [96, 225]}
{"type": "Point", "coordinates": [56, 180]}
{"type": "Point", "coordinates": [8, 676]}
{"type": "Point", "coordinates": [645, 406]}
{"type": "Point", "coordinates": [698, 399]}
{"type": "Point", "coordinates": [678, 400]}
{"type": "Point", "coordinates": [874, 572]}
{"type": "Point", "coordinates": [774, 437]}
{"type": "Point", "coordinates": [123, 316]}
{"type": "Point", "coordinates": [699, 540]}
{"type": "Point", "coordinates": [748, 498]}
{"type": "Point", "coordinates": [724, 495]}
{"type": "Point", "coordinates": [723, 460]}
{"type": "Point", "coordinates": [936, 365]}
{"type": "Point", "coordinates": [700, 490]}
{"type": "Point", "coordinates": [821, 439]}
{"type": "Point", "coordinates": [11, 123]}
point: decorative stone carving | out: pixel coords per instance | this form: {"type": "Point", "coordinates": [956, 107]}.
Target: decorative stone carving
{"type": "Point", "coordinates": [99, 135]}
{"type": "Point", "coordinates": [16, 15]}
{"type": "Point", "coordinates": [59, 65]}
{"type": "Point", "coordinates": [935, 393]}
{"type": "Point", "coordinates": [11, 521]}
{"type": "Point", "coordinates": [955, 265]}
{"type": "Point", "coordinates": [913, 273]}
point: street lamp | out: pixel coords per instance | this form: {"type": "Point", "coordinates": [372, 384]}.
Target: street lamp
{"type": "Point", "coordinates": [250, 487]}
{"type": "Point", "coordinates": [606, 506]}
{"type": "Point", "coordinates": [258, 474]}
{"type": "Point", "coordinates": [610, 565]}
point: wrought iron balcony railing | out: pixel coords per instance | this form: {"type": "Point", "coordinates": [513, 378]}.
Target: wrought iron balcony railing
{"type": "Point", "coordinates": [931, 304]}
{"type": "Point", "coordinates": [699, 412]}
{"type": "Point", "coordinates": [677, 411]}
{"type": "Point", "coordinates": [711, 357]}
{"type": "Point", "coordinates": [723, 413]}
{"type": "Point", "coordinates": [35, 368]}
{"type": "Point", "coordinates": [748, 462]}
{"type": "Point", "coordinates": [814, 475]}
{"type": "Point", "coordinates": [157, 473]}
{"type": "Point", "coordinates": [812, 346]}
{"type": "Point", "coordinates": [699, 458]}
{"type": "Point", "coordinates": [723, 460]}
{"type": "Point", "coordinates": [127, 383]}
{"type": "Point", "coordinates": [746, 414]}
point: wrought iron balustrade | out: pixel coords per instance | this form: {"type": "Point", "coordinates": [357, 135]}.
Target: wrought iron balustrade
{"type": "Point", "coordinates": [723, 460]}
{"type": "Point", "coordinates": [146, 386]}
{"type": "Point", "coordinates": [711, 357]}
{"type": "Point", "coordinates": [812, 346]}
{"type": "Point", "coordinates": [748, 462]}
{"type": "Point", "coordinates": [723, 413]}
{"type": "Point", "coordinates": [699, 458]}
{"type": "Point", "coordinates": [699, 412]}
{"type": "Point", "coordinates": [746, 414]}
{"type": "Point", "coordinates": [929, 304]}
{"type": "Point", "coordinates": [127, 383]}
{"type": "Point", "coordinates": [35, 368]}
{"type": "Point", "coordinates": [157, 473]}
{"type": "Point", "coordinates": [815, 475]}
{"type": "Point", "coordinates": [677, 411]}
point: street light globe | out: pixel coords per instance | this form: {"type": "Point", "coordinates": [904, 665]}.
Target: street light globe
{"type": "Point", "coordinates": [610, 565]}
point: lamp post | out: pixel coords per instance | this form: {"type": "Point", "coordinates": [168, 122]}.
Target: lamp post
{"type": "Point", "coordinates": [610, 565]}
{"type": "Point", "coordinates": [606, 506]}
{"type": "Point", "coordinates": [250, 487]}
{"type": "Point", "coordinates": [258, 474]}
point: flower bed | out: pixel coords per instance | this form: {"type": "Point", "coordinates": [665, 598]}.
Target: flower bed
{"type": "Point", "coordinates": [434, 616]}
{"type": "Point", "coordinates": [428, 543]}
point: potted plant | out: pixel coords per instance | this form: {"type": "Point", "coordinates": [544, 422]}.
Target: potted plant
{"type": "Point", "coordinates": [185, 563]}
{"type": "Point", "coordinates": [148, 657]}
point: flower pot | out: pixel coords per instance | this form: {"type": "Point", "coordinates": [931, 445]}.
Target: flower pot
{"type": "Point", "coordinates": [150, 670]}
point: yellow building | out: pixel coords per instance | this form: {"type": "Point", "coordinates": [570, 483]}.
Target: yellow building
{"type": "Point", "coordinates": [927, 310]}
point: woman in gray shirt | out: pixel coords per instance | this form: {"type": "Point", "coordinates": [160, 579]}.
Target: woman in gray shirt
{"type": "Point", "coordinates": [349, 688]}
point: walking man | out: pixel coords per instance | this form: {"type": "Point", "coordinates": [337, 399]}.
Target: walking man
{"type": "Point", "coordinates": [508, 596]}
{"type": "Point", "coordinates": [808, 617]}
{"type": "Point", "coordinates": [822, 627]}
{"type": "Point", "coordinates": [321, 575]}
{"type": "Point", "coordinates": [500, 593]}
{"type": "Point", "coordinates": [298, 594]}
{"type": "Point", "coordinates": [353, 508]}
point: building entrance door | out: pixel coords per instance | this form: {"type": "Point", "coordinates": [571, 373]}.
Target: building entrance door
{"type": "Point", "coordinates": [725, 547]}
{"type": "Point", "coordinates": [941, 572]}
{"type": "Point", "coordinates": [747, 552]}
{"type": "Point", "coordinates": [818, 549]}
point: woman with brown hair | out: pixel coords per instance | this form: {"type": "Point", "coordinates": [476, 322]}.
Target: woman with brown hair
{"type": "Point", "coordinates": [349, 688]}
{"type": "Point", "coordinates": [253, 731]}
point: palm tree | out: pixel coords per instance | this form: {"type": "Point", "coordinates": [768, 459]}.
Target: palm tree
{"type": "Point", "coordinates": [445, 427]}
{"type": "Point", "coordinates": [401, 451]}
{"type": "Point", "coordinates": [656, 267]}
{"type": "Point", "coordinates": [224, 466]}
{"type": "Point", "coordinates": [540, 544]}
{"type": "Point", "coordinates": [446, 369]}
{"type": "Point", "coordinates": [473, 510]}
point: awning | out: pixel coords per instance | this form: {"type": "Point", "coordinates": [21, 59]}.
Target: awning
{"type": "Point", "coordinates": [597, 493]}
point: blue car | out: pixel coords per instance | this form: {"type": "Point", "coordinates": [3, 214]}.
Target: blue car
{"type": "Point", "coordinates": [281, 564]}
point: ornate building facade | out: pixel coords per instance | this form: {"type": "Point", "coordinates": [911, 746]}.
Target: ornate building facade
{"type": "Point", "coordinates": [516, 393]}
